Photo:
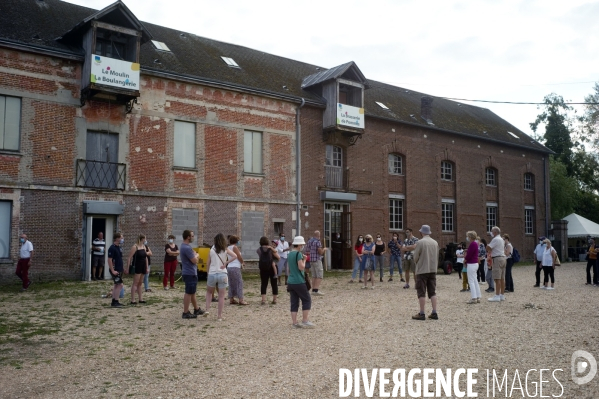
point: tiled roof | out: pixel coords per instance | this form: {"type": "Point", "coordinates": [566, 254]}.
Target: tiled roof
{"type": "Point", "coordinates": [37, 24]}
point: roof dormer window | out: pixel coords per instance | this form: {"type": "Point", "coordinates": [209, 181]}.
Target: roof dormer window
{"type": "Point", "coordinates": [230, 62]}
{"type": "Point", "coordinates": [160, 46]}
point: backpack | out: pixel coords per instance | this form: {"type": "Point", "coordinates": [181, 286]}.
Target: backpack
{"type": "Point", "coordinates": [265, 261]}
{"type": "Point", "coordinates": [516, 255]}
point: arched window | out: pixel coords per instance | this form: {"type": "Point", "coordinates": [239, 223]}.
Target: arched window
{"type": "Point", "coordinates": [491, 177]}
{"type": "Point", "coordinates": [395, 164]}
{"type": "Point", "coordinates": [446, 171]}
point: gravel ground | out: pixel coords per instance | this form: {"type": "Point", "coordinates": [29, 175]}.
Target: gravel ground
{"type": "Point", "coordinates": [61, 340]}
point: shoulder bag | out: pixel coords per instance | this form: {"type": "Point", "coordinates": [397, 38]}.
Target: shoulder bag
{"type": "Point", "coordinates": [132, 265]}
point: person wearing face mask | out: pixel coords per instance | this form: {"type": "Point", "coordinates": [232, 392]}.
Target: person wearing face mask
{"type": "Point", "coordinates": [408, 250]}
{"type": "Point", "coordinates": [509, 263]}
{"type": "Point", "coordinates": [496, 249]}
{"type": "Point", "coordinates": [462, 271]}
{"type": "Point", "coordinates": [358, 260]}
{"type": "Point", "coordinates": [139, 256]}
{"type": "Point", "coordinates": [395, 248]}
{"type": "Point", "coordinates": [368, 262]}
{"type": "Point", "coordinates": [549, 256]}
{"type": "Point", "coordinates": [282, 250]}
{"type": "Point", "coordinates": [25, 256]}
{"type": "Point", "coordinates": [471, 260]}
{"type": "Point", "coordinates": [379, 252]}
{"type": "Point", "coordinates": [115, 265]}
{"type": "Point", "coordinates": [297, 285]}
{"type": "Point", "coordinates": [171, 251]}
{"type": "Point", "coordinates": [147, 275]}
{"type": "Point", "coordinates": [189, 274]}
{"type": "Point", "coordinates": [234, 272]}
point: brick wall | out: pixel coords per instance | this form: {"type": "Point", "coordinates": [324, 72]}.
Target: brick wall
{"type": "Point", "coordinates": [423, 150]}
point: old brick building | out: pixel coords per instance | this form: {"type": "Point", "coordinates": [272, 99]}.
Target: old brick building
{"type": "Point", "coordinates": [187, 132]}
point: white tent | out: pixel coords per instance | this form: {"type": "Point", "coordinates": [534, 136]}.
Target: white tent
{"type": "Point", "coordinates": [581, 227]}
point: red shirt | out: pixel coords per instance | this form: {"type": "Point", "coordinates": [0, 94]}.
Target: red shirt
{"type": "Point", "coordinates": [358, 249]}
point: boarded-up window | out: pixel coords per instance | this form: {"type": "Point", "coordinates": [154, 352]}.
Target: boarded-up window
{"type": "Point", "coordinates": [10, 123]}
{"type": "Point", "coordinates": [252, 152]}
{"type": "Point", "coordinates": [185, 145]}
{"type": "Point", "coordinates": [5, 219]}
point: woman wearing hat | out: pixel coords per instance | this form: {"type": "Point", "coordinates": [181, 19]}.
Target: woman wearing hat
{"type": "Point", "coordinates": [296, 284]}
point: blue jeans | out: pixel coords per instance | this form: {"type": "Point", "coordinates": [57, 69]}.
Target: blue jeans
{"type": "Point", "coordinates": [380, 261]}
{"type": "Point", "coordinates": [356, 268]}
{"type": "Point", "coordinates": [147, 279]}
{"type": "Point", "coordinates": [392, 260]}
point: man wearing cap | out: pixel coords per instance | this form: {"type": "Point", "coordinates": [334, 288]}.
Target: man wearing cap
{"type": "Point", "coordinates": [497, 250]}
{"type": "Point", "coordinates": [538, 255]}
{"type": "Point", "coordinates": [426, 256]}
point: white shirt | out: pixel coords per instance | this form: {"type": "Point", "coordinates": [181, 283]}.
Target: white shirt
{"type": "Point", "coordinates": [26, 250]}
{"type": "Point", "coordinates": [460, 254]}
{"type": "Point", "coordinates": [234, 263]}
{"type": "Point", "coordinates": [548, 257]}
{"type": "Point", "coordinates": [281, 247]}
{"type": "Point", "coordinates": [497, 246]}
{"type": "Point", "coordinates": [217, 261]}
{"type": "Point", "coordinates": [539, 251]}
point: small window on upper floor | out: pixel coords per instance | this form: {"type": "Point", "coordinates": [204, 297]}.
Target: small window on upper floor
{"type": "Point", "coordinates": [160, 46]}
{"type": "Point", "coordinates": [395, 164]}
{"type": "Point", "coordinates": [230, 62]}
{"type": "Point", "coordinates": [350, 95]}
{"type": "Point", "coordinates": [446, 171]}
{"type": "Point", "coordinates": [491, 177]}
{"type": "Point", "coordinates": [529, 182]}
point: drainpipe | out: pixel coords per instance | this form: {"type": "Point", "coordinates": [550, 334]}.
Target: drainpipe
{"type": "Point", "coordinates": [546, 190]}
{"type": "Point", "coordinates": [298, 165]}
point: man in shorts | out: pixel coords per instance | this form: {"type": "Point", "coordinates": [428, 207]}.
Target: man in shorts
{"type": "Point", "coordinates": [115, 264]}
{"type": "Point", "coordinates": [316, 251]}
{"type": "Point", "coordinates": [283, 251]}
{"type": "Point", "coordinates": [189, 260]}
{"type": "Point", "coordinates": [408, 247]}
{"type": "Point", "coordinates": [426, 256]}
{"type": "Point", "coordinates": [498, 265]}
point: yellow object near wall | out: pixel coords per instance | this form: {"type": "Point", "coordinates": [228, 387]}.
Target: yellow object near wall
{"type": "Point", "coordinates": [203, 258]}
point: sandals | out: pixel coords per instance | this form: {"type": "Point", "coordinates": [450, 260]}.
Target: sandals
{"type": "Point", "coordinates": [243, 303]}
{"type": "Point", "coordinates": [274, 302]}
{"type": "Point", "coordinates": [233, 302]}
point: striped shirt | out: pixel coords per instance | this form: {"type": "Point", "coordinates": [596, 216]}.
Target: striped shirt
{"type": "Point", "coordinates": [99, 244]}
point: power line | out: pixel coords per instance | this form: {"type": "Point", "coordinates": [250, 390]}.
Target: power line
{"type": "Point", "coordinates": [511, 102]}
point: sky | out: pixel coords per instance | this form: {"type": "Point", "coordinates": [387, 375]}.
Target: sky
{"type": "Point", "coordinates": [506, 50]}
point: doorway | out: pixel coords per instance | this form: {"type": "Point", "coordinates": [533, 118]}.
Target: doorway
{"type": "Point", "coordinates": [94, 225]}
{"type": "Point", "coordinates": [337, 235]}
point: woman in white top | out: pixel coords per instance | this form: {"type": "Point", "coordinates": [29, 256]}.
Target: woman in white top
{"type": "Point", "coordinates": [218, 259]}
{"type": "Point", "coordinates": [234, 270]}
{"type": "Point", "coordinates": [548, 263]}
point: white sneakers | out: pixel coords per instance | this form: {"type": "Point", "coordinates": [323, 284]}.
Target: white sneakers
{"type": "Point", "coordinates": [549, 288]}
{"type": "Point", "coordinates": [495, 298]}
{"type": "Point", "coordinates": [502, 297]}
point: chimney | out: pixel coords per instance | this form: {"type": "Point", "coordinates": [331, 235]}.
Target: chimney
{"type": "Point", "coordinates": [426, 109]}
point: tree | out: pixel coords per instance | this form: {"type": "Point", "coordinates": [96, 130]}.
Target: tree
{"type": "Point", "coordinates": [563, 189]}
{"type": "Point", "coordinates": [589, 121]}
{"type": "Point", "coordinates": [557, 129]}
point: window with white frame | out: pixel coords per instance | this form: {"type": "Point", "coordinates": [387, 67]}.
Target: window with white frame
{"type": "Point", "coordinates": [395, 164]}
{"type": "Point", "coordinates": [395, 214]}
{"type": "Point", "coordinates": [491, 177]}
{"type": "Point", "coordinates": [334, 156]}
{"type": "Point", "coordinates": [491, 216]}
{"type": "Point", "coordinates": [184, 145]}
{"type": "Point", "coordinates": [10, 123]}
{"type": "Point", "coordinates": [447, 213]}
{"type": "Point", "coordinates": [5, 218]}
{"type": "Point", "coordinates": [252, 152]}
{"type": "Point", "coordinates": [446, 171]}
{"type": "Point", "coordinates": [528, 181]}
{"type": "Point", "coordinates": [529, 217]}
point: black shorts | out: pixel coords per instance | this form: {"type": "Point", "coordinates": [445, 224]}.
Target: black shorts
{"type": "Point", "coordinates": [191, 284]}
{"type": "Point", "coordinates": [140, 269]}
{"type": "Point", "coordinates": [117, 278]}
{"type": "Point", "coordinates": [426, 283]}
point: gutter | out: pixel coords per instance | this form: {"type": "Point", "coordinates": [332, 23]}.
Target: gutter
{"type": "Point", "coordinates": [546, 192]}
{"type": "Point", "coordinates": [298, 165]}
{"type": "Point", "coordinates": [42, 50]}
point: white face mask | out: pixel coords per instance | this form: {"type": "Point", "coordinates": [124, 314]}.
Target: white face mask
{"type": "Point", "coordinates": [467, 239]}
{"type": "Point", "coordinates": [171, 240]}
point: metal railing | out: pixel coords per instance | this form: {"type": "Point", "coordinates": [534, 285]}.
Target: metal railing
{"type": "Point", "coordinates": [335, 178]}
{"type": "Point", "coordinates": [98, 174]}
